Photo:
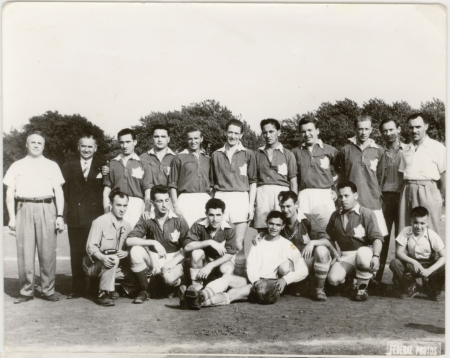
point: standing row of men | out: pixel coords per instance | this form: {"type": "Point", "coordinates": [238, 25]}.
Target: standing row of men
{"type": "Point", "coordinates": [249, 183]}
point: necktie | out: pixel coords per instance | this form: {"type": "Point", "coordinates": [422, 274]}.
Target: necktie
{"type": "Point", "coordinates": [85, 170]}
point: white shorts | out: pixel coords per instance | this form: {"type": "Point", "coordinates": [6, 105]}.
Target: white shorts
{"type": "Point", "coordinates": [134, 211]}
{"type": "Point", "coordinates": [236, 205]}
{"type": "Point", "coordinates": [381, 222]}
{"type": "Point", "coordinates": [349, 257]}
{"type": "Point", "coordinates": [266, 201]}
{"type": "Point", "coordinates": [318, 202]}
{"type": "Point", "coordinates": [159, 262]}
{"type": "Point", "coordinates": [192, 205]}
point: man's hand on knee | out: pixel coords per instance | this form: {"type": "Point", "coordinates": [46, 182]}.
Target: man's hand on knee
{"type": "Point", "coordinates": [374, 263]}
{"type": "Point", "coordinates": [108, 261]}
{"type": "Point", "coordinates": [204, 272]}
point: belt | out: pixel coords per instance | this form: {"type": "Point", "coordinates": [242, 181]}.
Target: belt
{"type": "Point", "coordinates": [25, 200]}
{"type": "Point", "coordinates": [419, 182]}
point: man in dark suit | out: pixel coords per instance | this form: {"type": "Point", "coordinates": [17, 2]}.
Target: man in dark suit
{"type": "Point", "coordinates": [83, 192]}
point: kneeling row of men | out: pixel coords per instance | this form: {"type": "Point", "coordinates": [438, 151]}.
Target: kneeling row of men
{"type": "Point", "coordinates": [293, 247]}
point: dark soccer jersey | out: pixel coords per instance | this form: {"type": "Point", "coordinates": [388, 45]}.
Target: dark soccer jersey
{"type": "Point", "coordinates": [279, 171]}
{"type": "Point", "coordinates": [157, 172]}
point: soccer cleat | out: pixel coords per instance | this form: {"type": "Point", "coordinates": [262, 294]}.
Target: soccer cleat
{"type": "Point", "coordinates": [22, 299]}
{"type": "Point", "coordinates": [411, 292]}
{"type": "Point", "coordinates": [181, 295]}
{"type": "Point", "coordinates": [193, 298]}
{"type": "Point", "coordinates": [141, 297]}
{"type": "Point", "coordinates": [114, 295]}
{"type": "Point", "coordinates": [52, 298]}
{"type": "Point", "coordinates": [319, 294]}
{"type": "Point", "coordinates": [104, 300]}
{"type": "Point", "coordinates": [361, 294]}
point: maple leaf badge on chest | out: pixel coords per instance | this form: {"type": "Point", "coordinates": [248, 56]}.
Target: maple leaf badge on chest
{"type": "Point", "coordinates": [359, 232]}
{"type": "Point", "coordinates": [137, 173]}
{"type": "Point", "coordinates": [306, 238]}
{"type": "Point", "coordinates": [174, 236]}
{"type": "Point", "coordinates": [325, 163]}
{"type": "Point", "coordinates": [243, 170]}
{"type": "Point", "coordinates": [282, 169]}
{"type": "Point", "coordinates": [167, 171]}
{"type": "Point", "coordinates": [373, 164]}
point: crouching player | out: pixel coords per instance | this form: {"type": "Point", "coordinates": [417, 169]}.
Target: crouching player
{"type": "Point", "coordinates": [274, 258]}
{"type": "Point", "coordinates": [160, 252]}
{"type": "Point", "coordinates": [416, 250]}
{"type": "Point", "coordinates": [212, 244]}
{"type": "Point", "coordinates": [359, 241]}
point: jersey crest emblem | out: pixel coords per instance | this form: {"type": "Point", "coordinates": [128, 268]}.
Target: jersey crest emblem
{"type": "Point", "coordinates": [175, 236]}
{"type": "Point", "coordinates": [282, 169]}
{"type": "Point", "coordinates": [325, 163]}
{"type": "Point", "coordinates": [243, 170]}
{"type": "Point", "coordinates": [373, 164]}
{"type": "Point", "coordinates": [137, 173]}
{"type": "Point", "coordinates": [359, 232]}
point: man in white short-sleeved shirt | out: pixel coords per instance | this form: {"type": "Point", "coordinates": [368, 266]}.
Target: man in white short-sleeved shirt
{"type": "Point", "coordinates": [423, 164]}
{"type": "Point", "coordinates": [35, 182]}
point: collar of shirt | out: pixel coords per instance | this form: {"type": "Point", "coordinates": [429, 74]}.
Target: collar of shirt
{"type": "Point", "coordinates": [371, 142]}
{"type": "Point", "coordinates": [410, 235]}
{"type": "Point", "coordinates": [134, 156]}
{"type": "Point", "coordinates": [239, 147]}
{"type": "Point", "coordinates": [319, 143]}
{"type": "Point", "coordinates": [186, 151]}
{"type": "Point", "coordinates": [279, 147]}
{"type": "Point", "coordinates": [88, 162]}
{"type": "Point", "coordinates": [223, 225]}
{"type": "Point", "coordinates": [171, 215]}
{"type": "Point", "coordinates": [29, 157]}
{"type": "Point", "coordinates": [355, 209]}
{"type": "Point", "coordinates": [425, 143]}
{"type": "Point", "coordinates": [152, 151]}
{"type": "Point", "coordinates": [300, 216]}
{"type": "Point", "coordinates": [116, 223]}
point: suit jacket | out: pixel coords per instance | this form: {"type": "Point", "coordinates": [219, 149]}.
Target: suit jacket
{"type": "Point", "coordinates": [84, 197]}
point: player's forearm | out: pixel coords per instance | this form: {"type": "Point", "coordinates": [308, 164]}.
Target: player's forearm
{"type": "Point", "coordinates": [405, 258]}
{"type": "Point", "coordinates": [377, 246]}
{"type": "Point", "coordinates": [196, 245]}
{"type": "Point", "coordinates": [222, 260]}
{"type": "Point", "coordinates": [174, 197]}
{"type": "Point", "coordinates": [252, 195]}
{"type": "Point", "coordinates": [10, 205]}
{"type": "Point", "coordinates": [137, 241]}
{"type": "Point", "coordinates": [59, 200]}
{"type": "Point", "coordinates": [106, 192]}
{"type": "Point", "coordinates": [294, 187]}
{"type": "Point", "coordinates": [441, 184]}
{"type": "Point", "coordinates": [179, 258]}
{"type": "Point", "coordinates": [438, 264]}
{"type": "Point", "coordinates": [148, 203]}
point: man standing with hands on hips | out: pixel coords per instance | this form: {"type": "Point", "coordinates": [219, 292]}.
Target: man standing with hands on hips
{"type": "Point", "coordinates": [35, 182]}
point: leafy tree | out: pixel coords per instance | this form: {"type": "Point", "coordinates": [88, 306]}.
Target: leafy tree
{"type": "Point", "coordinates": [434, 111]}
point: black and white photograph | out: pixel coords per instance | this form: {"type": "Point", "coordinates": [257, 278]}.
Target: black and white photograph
{"type": "Point", "coordinates": [224, 179]}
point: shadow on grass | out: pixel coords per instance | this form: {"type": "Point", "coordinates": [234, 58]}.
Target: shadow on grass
{"type": "Point", "coordinates": [426, 327]}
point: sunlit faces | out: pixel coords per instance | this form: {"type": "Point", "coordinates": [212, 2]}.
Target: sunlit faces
{"type": "Point", "coordinates": [35, 145]}
{"type": "Point", "coordinates": [309, 133]}
{"type": "Point", "coordinates": [215, 217]}
{"type": "Point", "coordinates": [194, 140]}
{"type": "Point", "coordinates": [119, 206]}
{"type": "Point", "coordinates": [288, 208]}
{"type": "Point", "coordinates": [346, 198]}
{"type": "Point", "coordinates": [417, 128]}
{"type": "Point", "coordinates": [363, 130]}
{"type": "Point", "coordinates": [161, 203]}
{"type": "Point", "coordinates": [234, 135]}
{"type": "Point", "coordinates": [390, 132]}
{"type": "Point", "coordinates": [274, 226]}
{"type": "Point", "coordinates": [419, 225]}
{"type": "Point", "coordinates": [161, 139]}
{"type": "Point", "coordinates": [270, 134]}
{"type": "Point", "coordinates": [127, 144]}
{"type": "Point", "coordinates": [87, 147]}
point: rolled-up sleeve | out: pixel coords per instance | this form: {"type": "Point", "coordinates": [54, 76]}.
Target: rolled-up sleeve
{"type": "Point", "coordinates": [193, 234]}
{"type": "Point", "coordinates": [147, 181]}
{"type": "Point", "coordinates": [252, 171]}
{"type": "Point", "coordinates": [317, 233]}
{"type": "Point", "coordinates": [184, 229]}
{"type": "Point", "coordinates": [230, 244]}
{"type": "Point", "coordinates": [95, 238]}
{"type": "Point", "coordinates": [140, 230]}
{"type": "Point", "coordinates": [107, 178]}
{"type": "Point", "coordinates": [330, 227]}
{"type": "Point", "coordinates": [175, 167]}
{"type": "Point", "coordinates": [292, 165]}
{"type": "Point", "coordinates": [372, 229]}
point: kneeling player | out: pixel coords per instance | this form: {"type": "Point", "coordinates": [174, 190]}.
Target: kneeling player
{"type": "Point", "coordinates": [355, 231]}
{"type": "Point", "coordinates": [161, 251]}
{"type": "Point", "coordinates": [274, 261]}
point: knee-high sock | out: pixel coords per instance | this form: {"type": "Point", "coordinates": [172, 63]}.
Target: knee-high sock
{"type": "Point", "coordinates": [198, 284]}
{"type": "Point", "coordinates": [142, 279]}
{"type": "Point", "coordinates": [321, 271]}
{"type": "Point", "coordinates": [219, 299]}
{"type": "Point", "coordinates": [214, 287]}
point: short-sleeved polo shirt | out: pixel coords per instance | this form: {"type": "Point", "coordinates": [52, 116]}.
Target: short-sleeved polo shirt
{"type": "Point", "coordinates": [157, 172]}
{"type": "Point", "coordinates": [234, 175]}
{"type": "Point", "coordinates": [129, 179]}
{"type": "Point", "coordinates": [280, 170]}
{"type": "Point", "coordinates": [361, 229]}
{"type": "Point", "coordinates": [360, 167]}
{"type": "Point", "coordinates": [303, 231]}
{"type": "Point", "coordinates": [314, 168]}
{"type": "Point", "coordinates": [420, 248]}
{"type": "Point", "coordinates": [225, 235]}
{"type": "Point", "coordinates": [189, 174]}
{"type": "Point", "coordinates": [427, 162]}
{"type": "Point", "coordinates": [34, 177]}
{"type": "Point", "coordinates": [170, 236]}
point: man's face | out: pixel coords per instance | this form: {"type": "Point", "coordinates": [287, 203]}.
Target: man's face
{"type": "Point", "coordinates": [215, 217]}
{"type": "Point", "coordinates": [289, 208]}
{"type": "Point", "coordinates": [35, 145]}
{"type": "Point", "coordinates": [309, 133]}
{"type": "Point", "coordinates": [161, 204]}
{"type": "Point", "coordinates": [270, 134]}
{"type": "Point", "coordinates": [274, 226]}
{"type": "Point", "coordinates": [119, 206]}
{"type": "Point", "coordinates": [194, 140]}
{"type": "Point", "coordinates": [127, 144]}
{"type": "Point", "coordinates": [417, 128]}
{"type": "Point", "coordinates": [390, 132]}
{"type": "Point", "coordinates": [347, 199]}
{"type": "Point", "coordinates": [234, 135]}
{"type": "Point", "coordinates": [363, 130]}
{"type": "Point", "coordinates": [419, 225]}
{"type": "Point", "coordinates": [87, 148]}
{"type": "Point", "coordinates": [160, 139]}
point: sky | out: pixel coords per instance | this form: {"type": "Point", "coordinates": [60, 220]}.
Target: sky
{"type": "Point", "coordinates": [115, 63]}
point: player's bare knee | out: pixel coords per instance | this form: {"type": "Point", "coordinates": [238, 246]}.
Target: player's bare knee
{"type": "Point", "coordinates": [136, 253]}
{"type": "Point", "coordinates": [363, 256]}
{"type": "Point", "coordinates": [227, 268]}
{"type": "Point", "coordinates": [321, 254]}
{"type": "Point", "coordinates": [197, 256]}
{"type": "Point", "coordinates": [333, 280]}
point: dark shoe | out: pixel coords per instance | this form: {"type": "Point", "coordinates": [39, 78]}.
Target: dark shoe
{"type": "Point", "coordinates": [411, 292]}
{"type": "Point", "coordinates": [319, 294]}
{"type": "Point", "coordinates": [23, 298]}
{"type": "Point", "coordinates": [193, 298]}
{"type": "Point", "coordinates": [74, 295]}
{"type": "Point", "coordinates": [361, 294]}
{"type": "Point", "coordinates": [181, 295]}
{"type": "Point", "coordinates": [141, 297]}
{"type": "Point", "coordinates": [114, 295]}
{"type": "Point", "coordinates": [104, 300]}
{"type": "Point", "coordinates": [52, 298]}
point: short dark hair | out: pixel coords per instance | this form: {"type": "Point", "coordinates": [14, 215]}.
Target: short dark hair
{"type": "Point", "coordinates": [272, 121]}
{"type": "Point", "coordinates": [387, 120]}
{"type": "Point", "coordinates": [235, 122]}
{"type": "Point", "coordinates": [117, 192]}
{"type": "Point", "coordinates": [307, 119]}
{"type": "Point", "coordinates": [286, 195]}
{"type": "Point", "coordinates": [215, 204]}
{"type": "Point", "coordinates": [419, 212]}
{"type": "Point", "coordinates": [347, 184]}
{"type": "Point", "coordinates": [275, 214]}
{"type": "Point", "coordinates": [362, 118]}
{"type": "Point", "coordinates": [193, 128]}
{"type": "Point", "coordinates": [87, 136]}
{"type": "Point", "coordinates": [160, 127]}
{"type": "Point", "coordinates": [417, 115]}
{"type": "Point", "coordinates": [158, 189]}
{"type": "Point", "coordinates": [37, 133]}
{"type": "Point", "coordinates": [126, 131]}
